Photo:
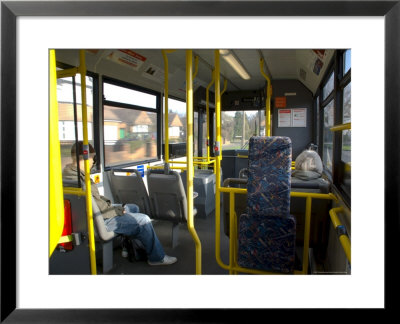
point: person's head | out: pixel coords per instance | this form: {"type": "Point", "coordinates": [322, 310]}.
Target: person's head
{"type": "Point", "coordinates": [78, 147]}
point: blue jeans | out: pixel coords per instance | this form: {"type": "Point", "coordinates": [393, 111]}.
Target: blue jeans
{"type": "Point", "coordinates": [137, 226]}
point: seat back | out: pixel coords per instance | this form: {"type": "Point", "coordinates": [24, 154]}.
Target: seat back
{"type": "Point", "coordinates": [100, 229]}
{"type": "Point", "coordinates": [267, 232]}
{"type": "Point", "coordinates": [167, 195]}
{"type": "Point", "coordinates": [130, 189]}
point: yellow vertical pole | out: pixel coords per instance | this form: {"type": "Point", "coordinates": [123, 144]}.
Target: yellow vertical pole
{"type": "Point", "coordinates": [89, 212]}
{"type": "Point", "coordinates": [189, 156]}
{"type": "Point", "coordinates": [268, 100]}
{"type": "Point", "coordinates": [56, 205]}
{"type": "Point", "coordinates": [217, 157]}
{"type": "Point", "coordinates": [306, 245]}
{"type": "Point", "coordinates": [166, 140]}
{"type": "Point", "coordinates": [208, 115]}
{"type": "Point", "coordinates": [225, 86]}
{"type": "Point", "coordinates": [232, 231]}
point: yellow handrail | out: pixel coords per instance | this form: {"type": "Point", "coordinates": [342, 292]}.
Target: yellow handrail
{"type": "Point", "coordinates": [343, 237]}
{"type": "Point", "coordinates": [56, 200]}
{"type": "Point", "coordinates": [218, 157]}
{"type": "Point", "coordinates": [189, 157]}
{"type": "Point", "coordinates": [208, 114]}
{"type": "Point", "coordinates": [67, 73]}
{"type": "Point", "coordinates": [196, 66]}
{"type": "Point", "coordinates": [89, 211]}
{"type": "Point", "coordinates": [166, 130]}
{"type": "Point", "coordinates": [225, 86]}
{"type": "Point", "coordinates": [268, 100]}
{"type": "Point", "coordinates": [341, 127]}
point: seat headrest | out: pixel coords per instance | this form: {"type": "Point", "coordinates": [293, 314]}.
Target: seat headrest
{"type": "Point", "coordinates": [167, 168]}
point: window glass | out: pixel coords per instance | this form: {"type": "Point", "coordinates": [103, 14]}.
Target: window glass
{"type": "Point", "coordinates": [346, 134]}
{"type": "Point", "coordinates": [328, 135]}
{"type": "Point", "coordinates": [328, 88]}
{"type": "Point", "coordinates": [66, 124]}
{"type": "Point", "coordinates": [176, 121]}
{"type": "Point", "coordinates": [318, 121]}
{"type": "Point", "coordinates": [129, 96]}
{"type": "Point", "coordinates": [129, 135]}
{"type": "Point", "coordinates": [238, 126]}
{"type": "Point", "coordinates": [346, 61]}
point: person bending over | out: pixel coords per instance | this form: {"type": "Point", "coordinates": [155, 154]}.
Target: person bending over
{"type": "Point", "coordinates": [121, 220]}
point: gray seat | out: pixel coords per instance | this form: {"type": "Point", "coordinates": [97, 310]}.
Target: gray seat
{"type": "Point", "coordinates": [130, 189]}
{"type": "Point", "coordinates": [168, 198]}
{"type": "Point", "coordinates": [104, 239]}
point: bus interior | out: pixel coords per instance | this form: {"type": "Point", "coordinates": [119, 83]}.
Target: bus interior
{"type": "Point", "coordinates": [197, 116]}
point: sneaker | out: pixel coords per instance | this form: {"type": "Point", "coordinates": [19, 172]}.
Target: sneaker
{"type": "Point", "coordinates": [167, 260]}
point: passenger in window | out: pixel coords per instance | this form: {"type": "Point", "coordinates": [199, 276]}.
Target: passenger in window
{"type": "Point", "coordinates": [125, 221]}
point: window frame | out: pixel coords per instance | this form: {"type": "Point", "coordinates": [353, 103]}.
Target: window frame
{"type": "Point", "coordinates": [341, 80]}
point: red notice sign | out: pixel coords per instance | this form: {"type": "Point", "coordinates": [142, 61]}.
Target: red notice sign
{"type": "Point", "coordinates": [280, 102]}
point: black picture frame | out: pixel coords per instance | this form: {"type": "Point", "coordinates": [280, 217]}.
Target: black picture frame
{"type": "Point", "coordinates": [10, 10]}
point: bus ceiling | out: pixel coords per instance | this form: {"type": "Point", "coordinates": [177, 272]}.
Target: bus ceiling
{"type": "Point", "coordinates": [240, 67]}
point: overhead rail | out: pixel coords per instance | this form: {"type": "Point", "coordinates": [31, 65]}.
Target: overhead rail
{"type": "Point", "coordinates": [87, 192]}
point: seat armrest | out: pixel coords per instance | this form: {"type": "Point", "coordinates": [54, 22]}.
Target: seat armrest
{"type": "Point", "coordinates": [102, 232]}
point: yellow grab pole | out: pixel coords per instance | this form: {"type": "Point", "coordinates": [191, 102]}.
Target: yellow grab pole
{"type": "Point", "coordinates": [217, 159]}
{"type": "Point", "coordinates": [189, 157]}
{"type": "Point", "coordinates": [56, 206]}
{"type": "Point", "coordinates": [268, 100]}
{"type": "Point", "coordinates": [343, 238]}
{"type": "Point", "coordinates": [306, 235]}
{"type": "Point", "coordinates": [89, 212]}
{"type": "Point", "coordinates": [196, 66]}
{"type": "Point", "coordinates": [166, 130]}
{"type": "Point", "coordinates": [232, 231]}
{"type": "Point", "coordinates": [341, 127]}
{"type": "Point", "coordinates": [225, 86]}
{"type": "Point", "coordinates": [208, 114]}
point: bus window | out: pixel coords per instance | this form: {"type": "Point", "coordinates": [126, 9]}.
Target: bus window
{"type": "Point", "coordinates": [346, 135]}
{"type": "Point", "coordinates": [328, 135]}
{"type": "Point", "coordinates": [329, 86]}
{"type": "Point", "coordinates": [176, 121]}
{"type": "Point", "coordinates": [130, 135]}
{"type": "Point", "coordinates": [129, 96]}
{"type": "Point", "coordinates": [130, 124]}
{"type": "Point", "coordinates": [346, 61]}
{"type": "Point", "coordinates": [66, 124]}
{"type": "Point", "coordinates": [238, 126]}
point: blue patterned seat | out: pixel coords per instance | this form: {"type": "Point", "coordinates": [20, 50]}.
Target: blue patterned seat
{"type": "Point", "coordinates": [267, 233]}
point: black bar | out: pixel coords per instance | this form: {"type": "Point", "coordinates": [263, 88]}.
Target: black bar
{"type": "Point", "coordinates": [8, 163]}
{"type": "Point", "coordinates": [202, 8]}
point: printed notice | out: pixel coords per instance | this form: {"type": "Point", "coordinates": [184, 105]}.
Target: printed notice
{"type": "Point", "coordinates": [284, 117]}
{"type": "Point", "coordinates": [127, 57]}
{"type": "Point", "coordinates": [299, 117]}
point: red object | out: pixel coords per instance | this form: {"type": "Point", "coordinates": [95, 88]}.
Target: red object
{"type": "Point", "coordinates": [280, 102]}
{"type": "Point", "coordinates": [67, 224]}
